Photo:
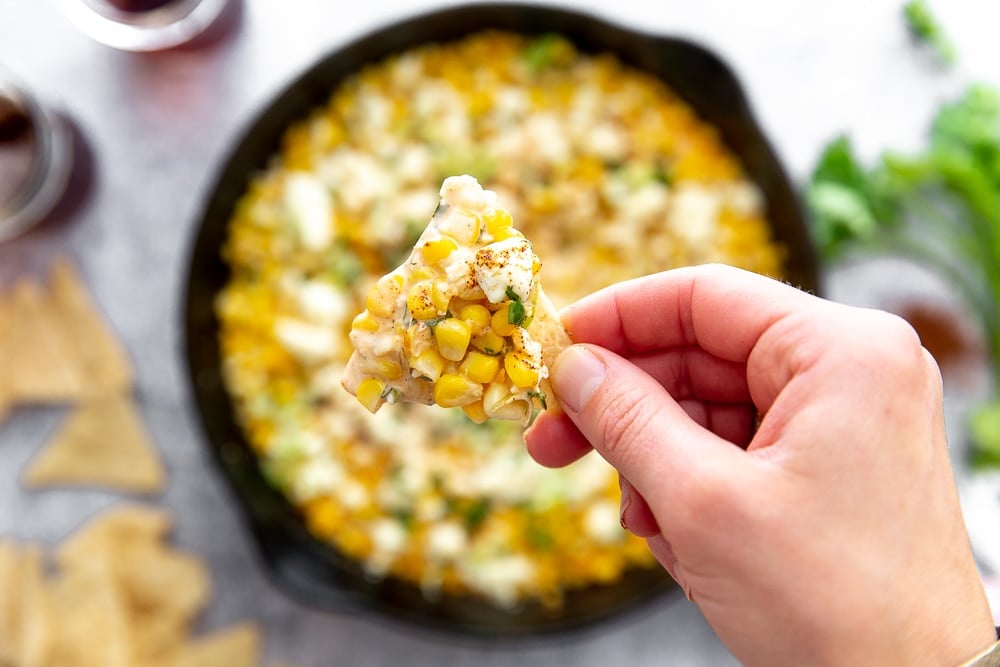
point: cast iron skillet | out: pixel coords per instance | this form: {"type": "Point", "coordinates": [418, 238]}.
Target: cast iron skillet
{"type": "Point", "coordinates": [315, 573]}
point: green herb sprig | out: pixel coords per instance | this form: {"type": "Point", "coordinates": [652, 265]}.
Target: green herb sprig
{"type": "Point", "coordinates": [939, 207]}
{"type": "Point", "coordinates": [516, 313]}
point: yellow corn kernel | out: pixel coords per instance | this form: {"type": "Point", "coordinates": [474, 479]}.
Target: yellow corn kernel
{"type": "Point", "coordinates": [381, 300]}
{"type": "Point", "coordinates": [437, 250]}
{"type": "Point", "coordinates": [420, 301]}
{"type": "Point", "coordinates": [453, 390]}
{"type": "Point", "coordinates": [500, 322]}
{"type": "Point", "coordinates": [476, 315]}
{"type": "Point", "coordinates": [441, 295]}
{"type": "Point", "coordinates": [499, 220]}
{"type": "Point", "coordinates": [324, 517]}
{"type": "Point", "coordinates": [536, 265]}
{"type": "Point", "coordinates": [453, 337]}
{"type": "Point", "coordinates": [480, 367]}
{"type": "Point", "coordinates": [370, 394]}
{"type": "Point", "coordinates": [424, 273]}
{"type": "Point", "coordinates": [383, 368]}
{"type": "Point", "coordinates": [521, 369]}
{"type": "Point", "coordinates": [499, 404]}
{"type": "Point", "coordinates": [507, 233]}
{"type": "Point", "coordinates": [464, 226]}
{"type": "Point", "coordinates": [489, 342]}
{"type": "Point", "coordinates": [428, 364]}
{"type": "Point", "coordinates": [364, 322]}
{"type": "Point", "coordinates": [475, 412]}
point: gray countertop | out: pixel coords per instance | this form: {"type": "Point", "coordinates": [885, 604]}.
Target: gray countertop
{"type": "Point", "coordinates": [158, 125]}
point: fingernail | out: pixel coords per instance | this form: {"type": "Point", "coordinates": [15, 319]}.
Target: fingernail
{"type": "Point", "coordinates": [576, 375]}
{"type": "Point", "coordinates": [626, 500]}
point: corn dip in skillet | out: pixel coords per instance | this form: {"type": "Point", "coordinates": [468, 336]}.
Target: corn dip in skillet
{"type": "Point", "coordinates": [610, 175]}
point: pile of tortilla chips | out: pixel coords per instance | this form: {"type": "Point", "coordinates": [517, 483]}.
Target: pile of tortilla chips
{"type": "Point", "coordinates": [114, 594]}
{"type": "Point", "coordinates": [56, 349]}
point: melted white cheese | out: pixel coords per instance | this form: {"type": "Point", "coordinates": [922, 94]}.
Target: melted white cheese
{"type": "Point", "coordinates": [311, 207]}
{"type": "Point", "coordinates": [504, 264]}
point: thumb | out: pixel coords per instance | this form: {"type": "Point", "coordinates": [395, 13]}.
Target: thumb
{"type": "Point", "coordinates": [634, 423]}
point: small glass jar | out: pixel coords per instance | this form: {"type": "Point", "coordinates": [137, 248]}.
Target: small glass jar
{"type": "Point", "coordinates": [36, 155]}
{"type": "Point", "coordinates": [144, 25]}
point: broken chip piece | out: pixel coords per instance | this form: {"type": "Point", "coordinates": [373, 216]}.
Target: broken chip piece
{"type": "Point", "coordinates": [461, 322]}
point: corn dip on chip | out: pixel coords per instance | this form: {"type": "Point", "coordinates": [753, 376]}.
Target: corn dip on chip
{"type": "Point", "coordinates": [449, 326]}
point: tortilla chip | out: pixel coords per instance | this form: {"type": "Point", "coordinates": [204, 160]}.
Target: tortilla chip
{"type": "Point", "coordinates": [37, 631]}
{"type": "Point", "coordinates": [163, 589]}
{"type": "Point", "coordinates": [93, 621]}
{"type": "Point", "coordinates": [85, 334]}
{"type": "Point", "coordinates": [36, 367]}
{"type": "Point", "coordinates": [156, 636]}
{"type": "Point", "coordinates": [102, 443]}
{"type": "Point", "coordinates": [163, 582]}
{"type": "Point", "coordinates": [112, 530]}
{"type": "Point", "coordinates": [238, 646]}
{"type": "Point", "coordinates": [10, 602]}
{"type": "Point", "coordinates": [547, 329]}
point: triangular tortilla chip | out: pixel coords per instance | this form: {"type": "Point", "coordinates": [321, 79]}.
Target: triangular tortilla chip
{"type": "Point", "coordinates": [93, 620]}
{"type": "Point", "coordinates": [37, 630]}
{"type": "Point", "coordinates": [238, 646]}
{"type": "Point", "coordinates": [10, 602]}
{"type": "Point", "coordinates": [36, 367]}
{"type": "Point", "coordinates": [85, 333]}
{"type": "Point", "coordinates": [548, 330]}
{"type": "Point", "coordinates": [162, 589]}
{"type": "Point", "coordinates": [102, 443]}
{"type": "Point", "coordinates": [112, 531]}
{"type": "Point", "coordinates": [163, 581]}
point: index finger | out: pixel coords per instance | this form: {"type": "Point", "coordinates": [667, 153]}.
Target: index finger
{"type": "Point", "coordinates": [721, 309]}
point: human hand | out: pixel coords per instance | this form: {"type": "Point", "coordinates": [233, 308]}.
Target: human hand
{"type": "Point", "coordinates": [829, 534]}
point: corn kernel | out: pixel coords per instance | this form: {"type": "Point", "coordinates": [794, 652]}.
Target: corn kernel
{"type": "Point", "coordinates": [507, 233]}
{"type": "Point", "coordinates": [384, 368]}
{"type": "Point", "coordinates": [453, 337]}
{"type": "Point", "coordinates": [469, 290]}
{"type": "Point", "coordinates": [464, 226]}
{"type": "Point", "coordinates": [324, 517]}
{"type": "Point", "coordinates": [476, 315]}
{"type": "Point", "coordinates": [420, 301]}
{"type": "Point", "coordinates": [428, 364]}
{"type": "Point", "coordinates": [480, 367]}
{"type": "Point", "coordinates": [370, 394]}
{"type": "Point", "coordinates": [453, 390]}
{"type": "Point", "coordinates": [441, 295]}
{"type": "Point", "coordinates": [489, 342]}
{"type": "Point", "coordinates": [364, 322]}
{"type": "Point", "coordinates": [521, 369]}
{"type": "Point", "coordinates": [499, 220]}
{"type": "Point", "coordinates": [424, 273]}
{"type": "Point", "coordinates": [536, 265]}
{"type": "Point", "coordinates": [475, 412]}
{"type": "Point", "coordinates": [499, 404]}
{"type": "Point", "coordinates": [500, 322]}
{"type": "Point", "coordinates": [381, 300]}
{"type": "Point", "coordinates": [437, 250]}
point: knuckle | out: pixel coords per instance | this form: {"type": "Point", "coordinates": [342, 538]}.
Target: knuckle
{"type": "Point", "coordinates": [625, 423]}
{"type": "Point", "coordinates": [891, 348]}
